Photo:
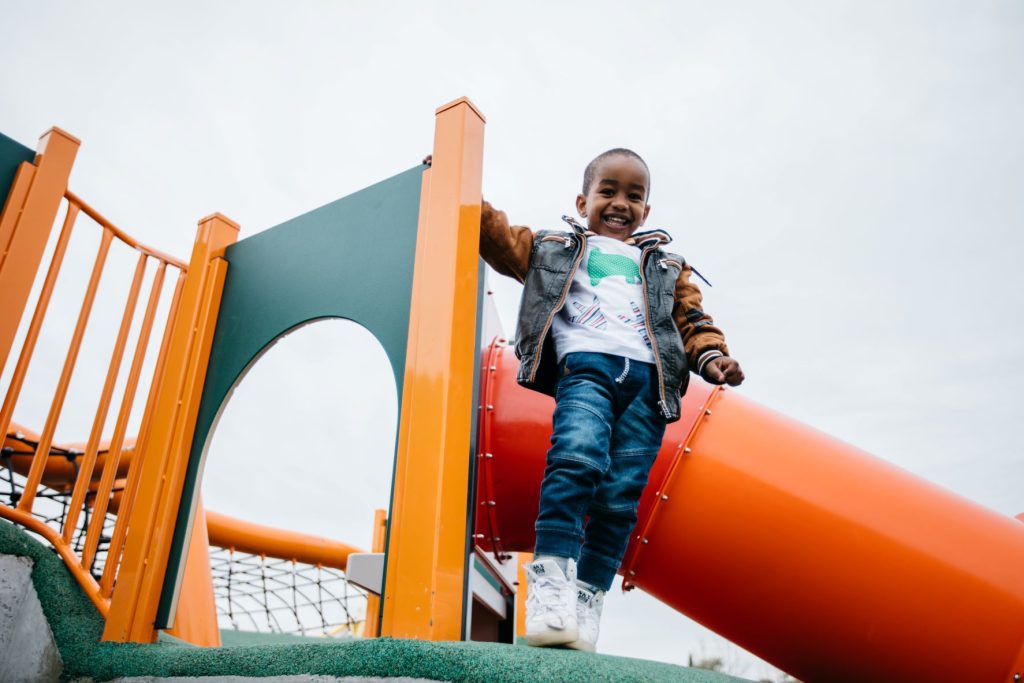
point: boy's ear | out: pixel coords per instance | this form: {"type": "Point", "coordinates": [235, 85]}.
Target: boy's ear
{"type": "Point", "coordinates": [581, 205]}
{"type": "Point", "coordinates": [647, 210]}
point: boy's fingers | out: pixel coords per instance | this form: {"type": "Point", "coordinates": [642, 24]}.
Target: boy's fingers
{"type": "Point", "coordinates": [713, 374]}
{"type": "Point", "coordinates": [733, 373]}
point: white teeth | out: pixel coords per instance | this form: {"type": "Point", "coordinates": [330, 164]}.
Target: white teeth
{"type": "Point", "coordinates": [616, 219]}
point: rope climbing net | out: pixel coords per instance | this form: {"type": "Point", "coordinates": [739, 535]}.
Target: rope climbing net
{"type": "Point", "coordinates": [252, 592]}
{"type": "Point", "coordinates": [269, 595]}
{"type": "Point", "coordinates": [53, 504]}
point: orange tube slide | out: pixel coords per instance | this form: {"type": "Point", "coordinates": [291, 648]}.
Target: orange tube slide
{"type": "Point", "coordinates": [823, 560]}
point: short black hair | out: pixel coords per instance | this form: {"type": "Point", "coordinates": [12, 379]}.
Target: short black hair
{"type": "Point", "coordinates": [588, 173]}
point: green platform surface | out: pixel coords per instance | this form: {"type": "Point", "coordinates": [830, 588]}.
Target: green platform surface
{"type": "Point", "coordinates": [77, 627]}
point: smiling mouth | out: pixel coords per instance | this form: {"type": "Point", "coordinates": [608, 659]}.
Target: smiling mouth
{"type": "Point", "coordinates": [617, 221]}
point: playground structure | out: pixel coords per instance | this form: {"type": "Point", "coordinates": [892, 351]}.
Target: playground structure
{"type": "Point", "coordinates": [826, 562]}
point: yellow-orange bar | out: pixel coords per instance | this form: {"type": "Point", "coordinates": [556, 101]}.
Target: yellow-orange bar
{"type": "Point", "coordinates": [121, 234]}
{"type": "Point", "coordinates": [135, 471]}
{"type": "Point", "coordinates": [196, 621]}
{"type": "Point", "coordinates": [424, 591]}
{"type": "Point", "coordinates": [25, 227]}
{"type": "Point", "coordinates": [121, 426]}
{"type": "Point", "coordinates": [371, 625]}
{"type": "Point", "coordinates": [92, 446]}
{"type": "Point", "coordinates": [522, 559]}
{"type": "Point", "coordinates": [57, 405]}
{"type": "Point", "coordinates": [257, 539]}
{"type": "Point", "coordinates": [32, 334]}
{"type": "Point", "coordinates": [165, 451]}
{"type": "Point", "coordinates": [85, 580]}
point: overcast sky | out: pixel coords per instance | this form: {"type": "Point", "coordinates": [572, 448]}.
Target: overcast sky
{"type": "Point", "coordinates": [849, 175]}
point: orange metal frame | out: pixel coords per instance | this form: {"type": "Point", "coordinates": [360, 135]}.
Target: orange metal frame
{"type": "Point", "coordinates": [426, 542]}
{"type": "Point", "coordinates": [29, 213]}
{"type": "Point", "coordinates": [163, 449]}
{"type": "Point", "coordinates": [424, 589]}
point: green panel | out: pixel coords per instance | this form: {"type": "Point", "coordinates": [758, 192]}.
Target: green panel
{"type": "Point", "coordinates": [350, 259]}
{"type": "Point", "coordinates": [11, 155]}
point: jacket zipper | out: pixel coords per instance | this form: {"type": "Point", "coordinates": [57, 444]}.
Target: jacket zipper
{"type": "Point", "coordinates": [663, 403]}
{"type": "Point", "coordinates": [561, 300]}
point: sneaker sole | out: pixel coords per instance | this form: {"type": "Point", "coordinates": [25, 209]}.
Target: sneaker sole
{"type": "Point", "coordinates": [551, 638]}
{"type": "Point", "coordinates": [582, 646]}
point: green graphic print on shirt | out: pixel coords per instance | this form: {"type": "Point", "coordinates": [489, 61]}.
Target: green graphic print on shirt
{"type": "Point", "coordinates": [601, 265]}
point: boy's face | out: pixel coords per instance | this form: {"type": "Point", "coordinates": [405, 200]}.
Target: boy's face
{"type": "Point", "coordinates": [616, 201]}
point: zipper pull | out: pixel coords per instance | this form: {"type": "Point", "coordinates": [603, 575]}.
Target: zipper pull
{"type": "Point", "coordinates": [568, 242]}
{"type": "Point", "coordinates": [663, 264]}
{"type": "Point", "coordinates": [665, 412]}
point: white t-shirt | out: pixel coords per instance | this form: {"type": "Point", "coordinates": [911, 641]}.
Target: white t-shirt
{"type": "Point", "coordinates": [604, 309]}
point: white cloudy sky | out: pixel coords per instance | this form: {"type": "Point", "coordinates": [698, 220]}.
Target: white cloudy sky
{"type": "Point", "coordinates": [850, 175]}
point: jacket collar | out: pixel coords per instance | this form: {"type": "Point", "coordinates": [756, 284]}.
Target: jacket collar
{"type": "Point", "coordinates": [637, 239]}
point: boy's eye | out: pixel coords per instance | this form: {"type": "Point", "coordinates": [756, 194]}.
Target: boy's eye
{"type": "Point", "coordinates": [636, 197]}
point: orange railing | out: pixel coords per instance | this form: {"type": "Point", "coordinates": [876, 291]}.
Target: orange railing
{"type": "Point", "coordinates": [120, 482]}
{"type": "Point", "coordinates": [88, 484]}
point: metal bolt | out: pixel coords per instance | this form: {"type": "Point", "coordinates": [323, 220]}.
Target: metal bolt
{"type": "Point", "coordinates": [632, 573]}
{"type": "Point", "coordinates": [1016, 677]}
{"type": "Point", "coordinates": [707, 411]}
{"type": "Point", "coordinates": [644, 541]}
{"type": "Point", "coordinates": [488, 456]}
{"type": "Point", "coordinates": [664, 496]}
{"type": "Point", "coordinates": [497, 539]}
{"type": "Point", "coordinates": [490, 407]}
{"type": "Point", "coordinates": [493, 368]}
{"type": "Point", "coordinates": [491, 503]}
{"type": "Point", "coordinates": [478, 536]}
{"type": "Point", "coordinates": [687, 450]}
{"type": "Point", "coordinates": [490, 292]}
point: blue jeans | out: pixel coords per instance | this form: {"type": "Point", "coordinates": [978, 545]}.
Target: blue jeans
{"type": "Point", "coordinates": [607, 432]}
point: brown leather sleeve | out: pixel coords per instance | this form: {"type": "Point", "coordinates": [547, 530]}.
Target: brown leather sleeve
{"type": "Point", "coordinates": [506, 248]}
{"type": "Point", "coordinates": [696, 327]}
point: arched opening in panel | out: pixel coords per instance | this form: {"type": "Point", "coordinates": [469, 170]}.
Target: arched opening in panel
{"type": "Point", "coordinates": [304, 443]}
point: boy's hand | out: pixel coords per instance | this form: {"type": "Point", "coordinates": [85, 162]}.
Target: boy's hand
{"type": "Point", "coordinates": [724, 370]}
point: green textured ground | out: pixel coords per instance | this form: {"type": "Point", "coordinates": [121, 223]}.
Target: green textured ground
{"type": "Point", "coordinates": [77, 627]}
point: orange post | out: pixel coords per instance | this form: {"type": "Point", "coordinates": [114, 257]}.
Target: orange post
{"type": "Point", "coordinates": [28, 217]}
{"type": "Point", "coordinates": [164, 454]}
{"type": "Point", "coordinates": [196, 622]}
{"type": "Point", "coordinates": [371, 626]}
{"type": "Point", "coordinates": [425, 580]}
{"type": "Point", "coordinates": [522, 559]}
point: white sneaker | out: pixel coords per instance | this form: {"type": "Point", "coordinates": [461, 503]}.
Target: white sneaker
{"type": "Point", "coordinates": [551, 603]}
{"type": "Point", "coordinates": [588, 614]}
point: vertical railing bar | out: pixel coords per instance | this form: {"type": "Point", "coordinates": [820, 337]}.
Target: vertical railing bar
{"type": "Point", "coordinates": [32, 334]}
{"type": "Point", "coordinates": [107, 481]}
{"type": "Point", "coordinates": [113, 369]}
{"type": "Point", "coordinates": [46, 438]}
{"type": "Point", "coordinates": [135, 470]}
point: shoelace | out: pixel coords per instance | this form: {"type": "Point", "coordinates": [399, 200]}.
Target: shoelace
{"type": "Point", "coordinates": [546, 593]}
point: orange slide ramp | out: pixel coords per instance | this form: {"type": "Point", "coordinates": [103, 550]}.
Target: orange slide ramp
{"type": "Point", "coordinates": [821, 559]}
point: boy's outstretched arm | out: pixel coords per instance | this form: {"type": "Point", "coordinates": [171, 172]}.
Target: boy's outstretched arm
{"type": "Point", "coordinates": [506, 248]}
{"type": "Point", "coordinates": [703, 342]}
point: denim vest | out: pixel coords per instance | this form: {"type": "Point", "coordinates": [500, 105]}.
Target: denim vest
{"type": "Point", "coordinates": [553, 262]}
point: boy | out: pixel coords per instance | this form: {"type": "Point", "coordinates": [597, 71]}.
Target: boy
{"type": "Point", "coordinates": [607, 324]}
